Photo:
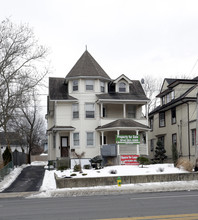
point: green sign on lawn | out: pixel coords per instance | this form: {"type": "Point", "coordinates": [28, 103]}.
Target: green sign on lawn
{"type": "Point", "coordinates": [128, 139]}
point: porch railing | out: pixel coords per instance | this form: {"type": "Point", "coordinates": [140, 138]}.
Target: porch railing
{"type": "Point", "coordinates": [6, 170]}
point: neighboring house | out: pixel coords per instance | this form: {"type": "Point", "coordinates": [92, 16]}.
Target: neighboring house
{"type": "Point", "coordinates": [174, 121]}
{"type": "Point", "coordinates": [87, 109]}
{"type": "Point", "coordinates": [15, 142]}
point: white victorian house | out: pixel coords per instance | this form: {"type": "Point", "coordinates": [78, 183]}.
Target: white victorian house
{"type": "Point", "coordinates": [87, 110]}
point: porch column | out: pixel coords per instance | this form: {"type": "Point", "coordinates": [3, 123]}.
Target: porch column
{"type": "Point", "coordinates": [101, 110]}
{"type": "Point", "coordinates": [138, 146]}
{"type": "Point", "coordinates": [102, 132]}
{"type": "Point", "coordinates": [118, 146]}
{"type": "Point", "coordinates": [124, 110]}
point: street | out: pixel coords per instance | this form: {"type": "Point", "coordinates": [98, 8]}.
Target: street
{"type": "Point", "coordinates": [101, 207]}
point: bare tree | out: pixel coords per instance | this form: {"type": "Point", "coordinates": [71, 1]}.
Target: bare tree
{"type": "Point", "coordinates": [22, 67]}
{"type": "Point", "coordinates": [30, 125]}
{"type": "Point", "coordinates": [151, 88]}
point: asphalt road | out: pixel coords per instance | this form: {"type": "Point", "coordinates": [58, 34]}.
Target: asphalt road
{"type": "Point", "coordinates": [29, 180]}
{"type": "Point", "coordinates": [103, 207]}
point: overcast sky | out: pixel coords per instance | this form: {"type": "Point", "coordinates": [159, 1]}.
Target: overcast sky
{"type": "Point", "coordinates": [131, 37]}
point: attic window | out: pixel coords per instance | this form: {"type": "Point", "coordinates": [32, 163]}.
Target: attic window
{"type": "Point", "coordinates": [122, 87]}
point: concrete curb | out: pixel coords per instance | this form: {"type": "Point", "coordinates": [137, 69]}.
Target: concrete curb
{"type": "Point", "coordinates": [17, 194]}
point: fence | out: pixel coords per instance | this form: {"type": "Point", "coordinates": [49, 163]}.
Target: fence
{"type": "Point", "coordinates": [6, 170]}
{"type": "Point", "coordinates": [19, 158]}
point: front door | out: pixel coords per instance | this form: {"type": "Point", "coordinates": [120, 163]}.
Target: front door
{"type": "Point", "coordinates": [64, 147]}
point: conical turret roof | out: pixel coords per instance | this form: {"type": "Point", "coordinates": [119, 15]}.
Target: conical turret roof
{"type": "Point", "coordinates": [87, 67]}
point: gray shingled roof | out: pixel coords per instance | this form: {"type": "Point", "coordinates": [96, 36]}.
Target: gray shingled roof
{"type": "Point", "coordinates": [87, 66]}
{"type": "Point", "coordinates": [123, 123]}
{"type": "Point", "coordinates": [136, 92]}
{"type": "Point", "coordinates": [58, 89]}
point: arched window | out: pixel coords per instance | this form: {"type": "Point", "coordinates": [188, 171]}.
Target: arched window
{"type": "Point", "coordinates": [122, 87]}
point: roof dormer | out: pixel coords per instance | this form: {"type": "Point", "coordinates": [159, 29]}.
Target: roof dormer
{"type": "Point", "coordinates": [122, 84]}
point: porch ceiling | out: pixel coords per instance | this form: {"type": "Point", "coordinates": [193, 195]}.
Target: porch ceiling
{"type": "Point", "coordinates": [123, 124]}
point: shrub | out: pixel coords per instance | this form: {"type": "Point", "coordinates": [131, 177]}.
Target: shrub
{"type": "Point", "coordinates": [7, 156]}
{"type": "Point", "coordinates": [61, 168]}
{"type": "Point", "coordinates": [113, 171]}
{"type": "Point", "coordinates": [184, 163]}
{"type": "Point", "coordinates": [77, 168]}
{"type": "Point", "coordinates": [160, 169]}
{"type": "Point", "coordinates": [73, 174]}
{"type": "Point", "coordinates": [143, 160]}
{"type": "Point", "coordinates": [87, 167]}
{"type": "Point", "coordinates": [84, 174]}
{"type": "Point", "coordinates": [160, 153]}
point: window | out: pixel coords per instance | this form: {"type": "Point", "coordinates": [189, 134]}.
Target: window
{"type": "Point", "coordinates": [172, 95]}
{"type": "Point", "coordinates": [161, 139]}
{"type": "Point", "coordinates": [152, 145]}
{"type": "Point", "coordinates": [193, 137]}
{"type": "Point", "coordinates": [163, 100]}
{"type": "Point", "coordinates": [131, 111]}
{"type": "Point", "coordinates": [76, 139]}
{"type": "Point", "coordinates": [151, 123]}
{"type": "Point", "coordinates": [168, 98]}
{"type": "Point", "coordinates": [144, 138]}
{"type": "Point", "coordinates": [75, 109]}
{"type": "Point", "coordinates": [122, 87]}
{"type": "Point", "coordinates": [162, 119]}
{"type": "Point", "coordinates": [75, 85]}
{"type": "Point", "coordinates": [173, 115]}
{"type": "Point", "coordinates": [174, 139]}
{"type": "Point", "coordinates": [89, 110]}
{"type": "Point", "coordinates": [90, 138]}
{"type": "Point", "coordinates": [102, 86]}
{"type": "Point", "coordinates": [89, 85]}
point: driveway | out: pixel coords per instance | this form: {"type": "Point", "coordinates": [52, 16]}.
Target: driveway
{"type": "Point", "coordinates": [29, 180]}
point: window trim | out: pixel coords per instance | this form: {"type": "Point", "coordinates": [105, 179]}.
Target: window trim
{"type": "Point", "coordinates": [151, 120]}
{"type": "Point", "coordinates": [152, 144]}
{"type": "Point", "coordinates": [164, 119]}
{"type": "Point", "coordinates": [93, 140]}
{"type": "Point", "coordinates": [122, 88]}
{"type": "Point", "coordinates": [73, 85]}
{"type": "Point", "coordinates": [75, 104]}
{"type": "Point", "coordinates": [76, 140]}
{"type": "Point", "coordinates": [89, 111]}
{"type": "Point", "coordinates": [89, 86]}
{"type": "Point", "coordinates": [172, 119]}
{"type": "Point", "coordinates": [102, 86]}
{"type": "Point", "coordinates": [175, 134]}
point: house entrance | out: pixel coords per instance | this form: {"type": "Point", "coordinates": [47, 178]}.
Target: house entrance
{"type": "Point", "coordinates": [64, 147]}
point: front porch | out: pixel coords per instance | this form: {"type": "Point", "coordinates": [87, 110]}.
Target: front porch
{"type": "Point", "coordinates": [113, 151]}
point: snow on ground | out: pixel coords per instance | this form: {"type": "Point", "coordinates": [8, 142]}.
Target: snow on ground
{"type": "Point", "coordinates": [9, 179]}
{"type": "Point", "coordinates": [48, 188]}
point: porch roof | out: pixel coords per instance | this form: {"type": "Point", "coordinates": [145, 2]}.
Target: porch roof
{"type": "Point", "coordinates": [123, 124]}
{"type": "Point", "coordinates": [61, 128]}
